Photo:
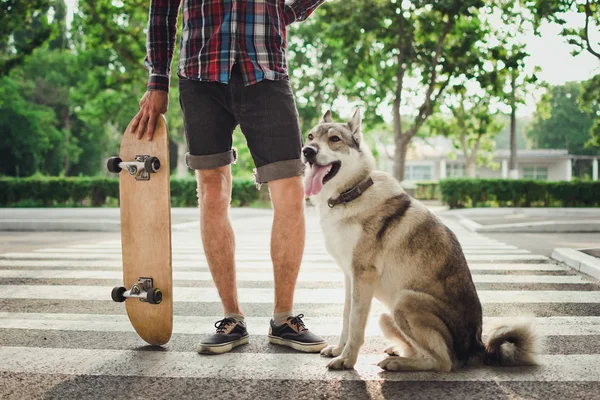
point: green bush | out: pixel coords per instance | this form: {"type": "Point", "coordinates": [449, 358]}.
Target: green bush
{"type": "Point", "coordinates": [427, 191]}
{"type": "Point", "coordinates": [460, 193]}
{"type": "Point", "coordinates": [96, 192]}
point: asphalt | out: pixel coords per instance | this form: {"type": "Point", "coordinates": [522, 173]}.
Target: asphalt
{"type": "Point", "coordinates": [62, 337]}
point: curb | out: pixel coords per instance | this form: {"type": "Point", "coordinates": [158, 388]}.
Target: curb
{"type": "Point", "coordinates": [578, 261]}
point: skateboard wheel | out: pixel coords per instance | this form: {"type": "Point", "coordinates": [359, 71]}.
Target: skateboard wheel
{"type": "Point", "coordinates": [117, 294]}
{"type": "Point", "coordinates": [113, 165]}
{"type": "Point", "coordinates": [154, 296]}
{"type": "Point", "coordinates": [152, 164]}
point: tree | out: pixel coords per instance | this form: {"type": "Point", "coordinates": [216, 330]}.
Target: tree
{"type": "Point", "coordinates": [403, 54]}
{"type": "Point", "coordinates": [24, 27]}
{"type": "Point", "coordinates": [27, 130]}
{"type": "Point", "coordinates": [560, 123]}
{"type": "Point", "coordinates": [471, 126]}
{"type": "Point", "coordinates": [555, 10]}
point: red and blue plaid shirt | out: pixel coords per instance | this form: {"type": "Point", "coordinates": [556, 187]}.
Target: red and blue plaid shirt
{"type": "Point", "coordinates": [218, 33]}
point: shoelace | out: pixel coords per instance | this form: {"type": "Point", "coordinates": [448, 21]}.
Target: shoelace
{"type": "Point", "coordinates": [297, 321]}
{"type": "Point", "coordinates": [223, 324]}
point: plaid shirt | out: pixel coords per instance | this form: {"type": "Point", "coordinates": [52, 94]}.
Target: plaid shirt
{"type": "Point", "coordinates": [219, 33]}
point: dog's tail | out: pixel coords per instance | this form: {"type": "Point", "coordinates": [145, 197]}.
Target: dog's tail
{"type": "Point", "coordinates": [514, 342]}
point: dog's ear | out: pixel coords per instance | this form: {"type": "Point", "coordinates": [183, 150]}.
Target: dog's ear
{"type": "Point", "coordinates": [327, 117]}
{"type": "Point", "coordinates": [354, 125]}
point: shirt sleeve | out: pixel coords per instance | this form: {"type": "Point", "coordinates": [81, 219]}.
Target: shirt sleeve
{"type": "Point", "coordinates": [300, 10]}
{"type": "Point", "coordinates": [160, 42]}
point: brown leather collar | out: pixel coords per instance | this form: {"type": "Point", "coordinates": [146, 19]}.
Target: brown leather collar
{"type": "Point", "coordinates": [352, 194]}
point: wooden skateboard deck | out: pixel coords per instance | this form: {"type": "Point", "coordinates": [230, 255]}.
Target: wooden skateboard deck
{"type": "Point", "coordinates": [145, 202]}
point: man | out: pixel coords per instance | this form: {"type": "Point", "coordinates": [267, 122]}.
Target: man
{"type": "Point", "coordinates": [233, 70]}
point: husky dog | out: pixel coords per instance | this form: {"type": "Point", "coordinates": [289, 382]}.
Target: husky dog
{"type": "Point", "coordinates": [392, 248]}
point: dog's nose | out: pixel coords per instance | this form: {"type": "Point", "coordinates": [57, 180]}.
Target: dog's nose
{"type": "Point", "coordinates": [309, 152]}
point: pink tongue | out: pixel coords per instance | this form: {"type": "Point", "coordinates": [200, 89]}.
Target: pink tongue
{"type": "Point", "coordinates": [313, 179]}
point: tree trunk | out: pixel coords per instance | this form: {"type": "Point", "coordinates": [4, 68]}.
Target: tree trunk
{"type": "Point", "coordinates": [400, 156]}
{"type": "Point", "coordinates": [67, 135]}
{"type": "Point", "coordinates": [182, 169]}
{"type": "Point", "coordinates": [471, 169]}
{"type": "Point", "coordinates": [513, 173]}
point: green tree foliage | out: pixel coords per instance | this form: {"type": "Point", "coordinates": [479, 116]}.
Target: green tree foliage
{"type": "Point", "coordinates": [560, 122]}
{"type": "Point", "coordinates": [555, 10]}
{"type": "Point", "coordinates": [24, 27]}
{"type": "Point", "coordinates": [472, 125]}
{"type": "Point", "coordinates": [397, 53]}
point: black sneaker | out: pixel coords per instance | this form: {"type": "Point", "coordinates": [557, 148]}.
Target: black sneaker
{"type": "Point", "coordinates": [294, 334]}
{"type": "Point", "coordinates": [230, 334]}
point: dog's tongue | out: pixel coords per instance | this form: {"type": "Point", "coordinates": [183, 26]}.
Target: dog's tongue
{"type": "Point", "coordinates": [313, 179]}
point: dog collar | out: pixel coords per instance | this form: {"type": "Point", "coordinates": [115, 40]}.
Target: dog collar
{"type": "Point", "coordinates": [352, 194]}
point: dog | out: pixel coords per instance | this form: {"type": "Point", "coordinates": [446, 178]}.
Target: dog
{"type": "Point", "coordinates": [390, 247]}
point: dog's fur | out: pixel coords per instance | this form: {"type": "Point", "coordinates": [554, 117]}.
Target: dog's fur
{"type": "Point", "coordinates": [392, 248]}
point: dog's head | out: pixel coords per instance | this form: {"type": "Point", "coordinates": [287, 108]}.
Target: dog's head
{"type": "Point", "coordinates": [335, 154]}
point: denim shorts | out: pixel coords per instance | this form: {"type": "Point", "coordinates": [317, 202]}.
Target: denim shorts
{"type": "Point", "coordinates": [267, 115]}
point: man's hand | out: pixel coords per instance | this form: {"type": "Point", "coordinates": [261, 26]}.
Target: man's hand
{"type": "Point", "coordinates": [152, 104]}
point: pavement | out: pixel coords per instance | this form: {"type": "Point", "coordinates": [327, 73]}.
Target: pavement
{"type": "Point", "coordinates": [62, 337]}
{"type": "Point", "coordinates": [528, 220]}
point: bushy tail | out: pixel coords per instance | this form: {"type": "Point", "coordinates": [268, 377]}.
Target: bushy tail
{"type": "Point", "coordinates": [513, 343]}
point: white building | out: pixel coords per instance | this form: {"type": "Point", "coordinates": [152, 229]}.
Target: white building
{"type": "Point", "coordinates": [427, 163]}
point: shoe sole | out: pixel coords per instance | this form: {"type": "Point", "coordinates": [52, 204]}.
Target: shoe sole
{"type": "Point", "coordinates": [306, 348]}
{"type": "Point", "coordinates": [221, 348]}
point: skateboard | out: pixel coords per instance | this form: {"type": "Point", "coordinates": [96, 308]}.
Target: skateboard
{"type": "Point", "coordinates": [145, 206]}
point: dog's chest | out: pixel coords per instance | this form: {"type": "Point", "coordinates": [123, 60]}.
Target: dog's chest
{"type": "Point", "coordinates": [340, 240]}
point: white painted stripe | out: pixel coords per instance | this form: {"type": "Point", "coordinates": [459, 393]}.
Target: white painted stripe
{"type": "Point", "coordinates": [260, 366]}
{"type": "Point", "coordinates": [196, 245]}
{"type": "Point", "coordinates": [249, 257]}
{"type": "Point", "coordinates": [267, 275]}
{"type": "Point", "coordinates": [240, 265]}
{"type": "Point", "coordinates": [330, 326]}
{"type": "Point", "coordinates": [264, 251]}
{"type": "Point", "coordinates": [262, 295]}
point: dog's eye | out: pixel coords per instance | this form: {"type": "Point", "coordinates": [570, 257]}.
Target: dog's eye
{"type": "Point", "coordinates": [334, 139]}
{"type": "Point", "coordinates": [310, 136]}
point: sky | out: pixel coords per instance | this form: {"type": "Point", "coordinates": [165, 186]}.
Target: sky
{"type": "Point", "coordinates": [550, 52]}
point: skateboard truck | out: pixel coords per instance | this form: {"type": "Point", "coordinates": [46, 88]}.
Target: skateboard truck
{"type": "Point", "coordinates": [141, 168]}
{"type": "Point", "coordinates": [143, 289]}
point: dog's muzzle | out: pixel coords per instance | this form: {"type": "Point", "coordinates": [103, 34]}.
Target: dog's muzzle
{"type": "Point", "coordinates": [310, 153]}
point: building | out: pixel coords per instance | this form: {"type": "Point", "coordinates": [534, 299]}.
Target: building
{"type": "Point", "coordinates": [427, 162]}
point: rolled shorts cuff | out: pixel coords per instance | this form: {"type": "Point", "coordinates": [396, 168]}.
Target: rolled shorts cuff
{"type": "Point", "coordinates": [278, 170]}
{"type": "Point", "coordinates": [211, 161]}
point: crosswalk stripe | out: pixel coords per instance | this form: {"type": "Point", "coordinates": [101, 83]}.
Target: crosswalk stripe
{"type": "Point", "coordinates": [261, 295]}
{"type": "Point", "coordinates": [254, 251]}
{"type": "Point", "coordinates": [267, 275]}
{"type": "Point", "coordinates": [268, 366]}
{"type": "Point", "coordinates": [547, 326]}
{"type": "Point", "coordinates": [329, 267]}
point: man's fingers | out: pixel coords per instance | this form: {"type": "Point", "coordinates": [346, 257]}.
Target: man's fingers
{"type": "Point", "coordinates": [135, 122]}
{"type": "Point", "coordinates": [142, 126]}
{"type": "Point", "coordinates": [151, 125]}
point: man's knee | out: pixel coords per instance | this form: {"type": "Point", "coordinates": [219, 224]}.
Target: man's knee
{"type": "Point", "coordinates": [287, 194]}
{"type": "Point", "coordinates": [214, 188]}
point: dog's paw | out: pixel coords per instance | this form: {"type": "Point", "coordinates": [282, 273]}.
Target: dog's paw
{"type": "Point", "coordinates": [340, 363]}
{"type": "Point", "coordinates": [332, 350]}
{"type": "Point", "coordinates": [392, 363]}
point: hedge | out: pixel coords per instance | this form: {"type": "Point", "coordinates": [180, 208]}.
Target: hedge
{"type": "Point", "coordinates": [427, 191]}
{"type": "Point", "coordinates": [96, 192]}
{"type": "Point", "coordinates": [460, 193]}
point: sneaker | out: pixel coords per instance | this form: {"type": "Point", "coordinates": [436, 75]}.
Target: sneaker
{"type": "Point", "coordinates": [230, 334]}
{"type": "Point", "coordinates": [294, 334]}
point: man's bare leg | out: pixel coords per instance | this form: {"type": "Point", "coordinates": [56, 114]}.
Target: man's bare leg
{"type": "Point", "coordinates": [287, 238]}
{"type": "Point", "coordinates": [287, 247]}
{"type": "Point", "coordinates": [214, 198]}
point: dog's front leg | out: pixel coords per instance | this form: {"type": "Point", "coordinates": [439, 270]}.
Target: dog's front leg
{"type": "Point", "coordinates": [335, 350]}
{"type": "Point", "coordinates": [363, 288]}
